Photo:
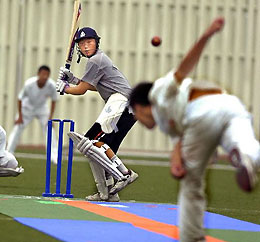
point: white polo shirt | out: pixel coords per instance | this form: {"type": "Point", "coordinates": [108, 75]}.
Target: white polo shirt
{"type": "Point", "coordinates": [34, 98]}
{"type": "Point", "coordinates": [169, 101]}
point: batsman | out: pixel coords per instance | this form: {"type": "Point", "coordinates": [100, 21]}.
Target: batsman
{"type": "Point", "coordinates": [101, 143]}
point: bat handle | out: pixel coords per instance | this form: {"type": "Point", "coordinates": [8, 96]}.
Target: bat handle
{"type": "Point", "coordinates": [67, 66]}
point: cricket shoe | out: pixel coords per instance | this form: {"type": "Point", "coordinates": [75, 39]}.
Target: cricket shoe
{"type": "Point", "coordinates": [121, 184]}
{"type": "Point", "coordinates": [96, 198]}
{"type": "Point", "coordinates": [11, 172]}
{"type": "Point", "coordinates": [246, 174]}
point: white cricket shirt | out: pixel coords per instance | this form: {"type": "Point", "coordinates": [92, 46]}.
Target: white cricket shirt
{"type": "Point", "coordinates": [34, 99]}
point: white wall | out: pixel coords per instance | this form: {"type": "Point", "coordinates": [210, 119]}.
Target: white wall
{"type": "Point", "coordinates": [35, 32]}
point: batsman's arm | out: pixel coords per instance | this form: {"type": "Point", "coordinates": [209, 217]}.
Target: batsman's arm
{"type": "Point", "coordinates": [192, 58]}
{"type": "Point", "coordinates": [80, 89]}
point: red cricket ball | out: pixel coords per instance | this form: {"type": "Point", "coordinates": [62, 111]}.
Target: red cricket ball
{"type": "Point", "coordinates": [156, 41]}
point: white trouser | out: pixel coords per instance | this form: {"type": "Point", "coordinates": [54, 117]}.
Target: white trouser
{"type": "Point", "coordinates": [210, 121]}
{"type": "Point", "coordinates": [112, 112]}
{"type": "Point", "coordinates": [108, 119]}
{"type": "Point", "coordinates": [7, 160]}
{"type": "Point", "coordinates": [2, 141]}
{"type": "Point", "coordinates": [18, 128]}
{"type": "Point", "coordinates": [103, 181]}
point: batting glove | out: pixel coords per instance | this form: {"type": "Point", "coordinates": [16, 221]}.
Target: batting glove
{"type": "Point", "coordinates": [61, 85]}
{"type": "Point", "coordinates": [66, 75]}
{"type": "Point", "coordinates": [84, 146]}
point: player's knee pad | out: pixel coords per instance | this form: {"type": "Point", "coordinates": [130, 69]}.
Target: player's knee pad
{"type": "Point", "coordinates": [98, 154]}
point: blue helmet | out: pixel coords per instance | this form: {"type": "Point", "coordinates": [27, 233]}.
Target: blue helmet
{"type": "Point", "coordinates": [87, 33]}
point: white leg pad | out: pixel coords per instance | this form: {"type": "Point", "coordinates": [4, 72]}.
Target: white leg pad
{"type": "Point", "coordinates": [100, 179]}
{"type": "Point", "coordinates": [97, 154]}
{"type": "Point", "coordinates": [110, 181]}
{"type": "Point", "coordinates": [75, 137]}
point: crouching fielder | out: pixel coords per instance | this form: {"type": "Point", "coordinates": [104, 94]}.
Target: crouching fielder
{"type": "Point", "coordinates": [100, 144]}
{"type": "Point", "coordinates": [199, 118]}
{"type": "Point", "coordinates": [8, 163]}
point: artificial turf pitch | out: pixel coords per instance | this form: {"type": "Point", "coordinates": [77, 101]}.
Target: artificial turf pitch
{"type": "Point", "coordinates": [154, 185]}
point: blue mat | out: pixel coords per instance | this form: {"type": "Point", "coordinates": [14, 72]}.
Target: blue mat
{"type": "Point", "coordinates": [92, 231]}
{"type": "Point", "coordinates": [167, 213]}
{"type": "Point", "coordinates": [96, 231]}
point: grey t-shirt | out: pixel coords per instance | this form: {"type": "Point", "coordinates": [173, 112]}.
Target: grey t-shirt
{"type": "Point", "coordinates": [105, 77]}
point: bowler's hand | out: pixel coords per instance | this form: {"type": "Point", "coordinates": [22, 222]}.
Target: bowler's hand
{"type": "Point", "coordinates": [19, 120]}
{"type": "Point", "coordinates": [177, 165]}
{"type": "Point", "coordinates": [215, 26]}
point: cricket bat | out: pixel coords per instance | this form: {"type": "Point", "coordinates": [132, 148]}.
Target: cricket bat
{"type": "Point", "coordinates": [73, 33]}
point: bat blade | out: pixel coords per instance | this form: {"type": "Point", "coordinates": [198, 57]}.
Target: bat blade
{"type": "Point", "coordinates": [73, 33]}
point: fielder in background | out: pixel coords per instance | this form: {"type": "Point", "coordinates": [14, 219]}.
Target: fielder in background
{"type": "Point", "coordinates": [198, 117]}
{"type": "Point", "coordinates": [8, 163]}
{"type": "Point", "coordinates": [32, 103]}
{"type": "Point", "coordinates": [100, 144]}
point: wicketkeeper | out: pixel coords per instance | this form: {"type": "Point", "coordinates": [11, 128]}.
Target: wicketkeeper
{"type": "Point", "coordinates": [198, 117]}
{"type": "Point", "coordinates": [8, 163]}
{"type": "Point", "coordinates": [100, 144]}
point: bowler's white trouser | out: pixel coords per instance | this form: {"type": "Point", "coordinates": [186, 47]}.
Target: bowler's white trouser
{"type": "Point", "coordinates": [7, 160]}
{"type": "Point", "coordinates": [209, 121]}
{"type": "Point", "coordinates": [18, 128]}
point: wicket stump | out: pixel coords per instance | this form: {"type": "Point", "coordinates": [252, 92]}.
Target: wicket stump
{"type": "Point", "coordinates": [47, 192]}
